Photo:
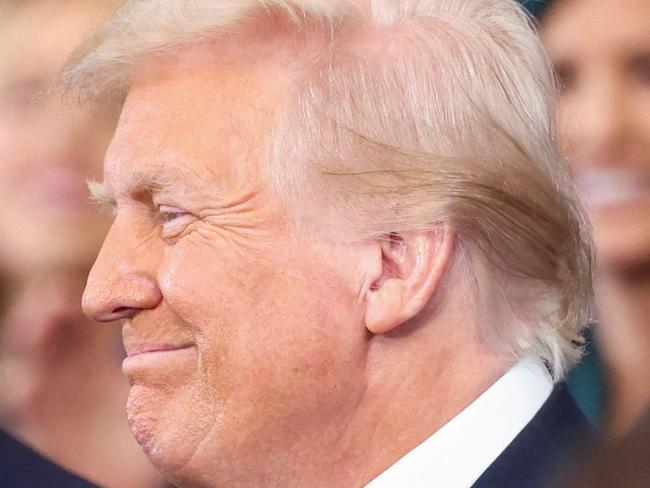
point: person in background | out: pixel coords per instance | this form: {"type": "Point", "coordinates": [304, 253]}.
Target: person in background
{"type": "Point", "coordinates": [601, 53]}
{"type": "Point", "coordinates": [61, 391]}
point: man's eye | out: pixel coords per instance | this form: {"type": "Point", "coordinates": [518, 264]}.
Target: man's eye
{"type": "Point", "coordinates": [170, 214]}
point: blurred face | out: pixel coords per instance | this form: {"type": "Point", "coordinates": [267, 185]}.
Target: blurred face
{"type": "Point", "coordinates": [601, 51]}
{"type": "Point", "coordinates": [46, 153]}
{"type": "Point", "coordinates": [244, 341]}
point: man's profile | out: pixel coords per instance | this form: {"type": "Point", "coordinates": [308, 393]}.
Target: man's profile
{"type": "Point", "coordinates": [345, 248]}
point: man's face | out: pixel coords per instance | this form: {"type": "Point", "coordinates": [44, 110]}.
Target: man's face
{"type": "Point", "coordinates": [244, 340]}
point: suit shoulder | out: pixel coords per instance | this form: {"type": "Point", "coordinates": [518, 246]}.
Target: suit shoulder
{"type": "Point", "coordinates": [556, 432]}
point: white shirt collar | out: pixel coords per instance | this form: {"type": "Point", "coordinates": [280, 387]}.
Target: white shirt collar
{"type": "Point", "coordinates": [459, 452]}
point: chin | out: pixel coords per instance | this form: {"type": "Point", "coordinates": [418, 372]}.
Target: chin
{"type": "Point", "coordinates": [143, 417]}
{"type": "Point", "coordinates": [163, 425]}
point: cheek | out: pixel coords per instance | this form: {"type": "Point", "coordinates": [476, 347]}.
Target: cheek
{"type": "Point", "coordinates": [281, 347]}
{"type": "Point", "coordinates": [230, 302]}
{"type": "Point", "coordinates": [212, 290]}
{"type": "Point", "coordinates": [264, 326]}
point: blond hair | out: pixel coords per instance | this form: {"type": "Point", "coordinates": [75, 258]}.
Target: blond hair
{"type": "Point", "coordinates": [449, 120]}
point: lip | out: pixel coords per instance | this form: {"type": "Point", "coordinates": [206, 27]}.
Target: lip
{"type": "Point", "coordinates": [138, 350]}
{"type": "Point", "coordinates": [160, 358]}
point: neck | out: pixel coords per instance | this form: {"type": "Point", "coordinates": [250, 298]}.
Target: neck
{"type": "Point", "coordinates": [624, 310]}
{"type": "Point", "coordinates": [415, 402]}
{"type": "Point", "coordinates": [415, 384]}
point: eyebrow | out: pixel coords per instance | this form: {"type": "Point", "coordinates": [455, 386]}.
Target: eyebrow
{"type": "Point", "coordinates": [99, 194]}
{"type": "Point", "coordinates": [136, 182]}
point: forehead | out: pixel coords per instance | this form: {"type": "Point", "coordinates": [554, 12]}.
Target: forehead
{"type": "Point", "coordinates": [197, 112]}
{"type": "Point", "coordinates": [596, 27]}
{"type": "Point", "coordinates": [37, 39]}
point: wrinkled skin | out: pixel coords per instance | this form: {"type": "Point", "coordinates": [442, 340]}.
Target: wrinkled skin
{"type": "Point", "coordinates": [201, 263]}
{"type": "Point", "coordinates": [257, 355]}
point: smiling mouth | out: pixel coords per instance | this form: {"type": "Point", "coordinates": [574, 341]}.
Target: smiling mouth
{"type": "Point", "coordinates": [144, 360]}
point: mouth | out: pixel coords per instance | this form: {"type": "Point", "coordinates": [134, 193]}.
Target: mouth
{"type": "Point", "coordinates": [161, 358]}
{"type": "Point", "coordinates": [604, 189]}
{"type": "Point", "coordinates": [138, 350]}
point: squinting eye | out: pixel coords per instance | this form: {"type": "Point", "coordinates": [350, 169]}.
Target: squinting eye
{"type": "Point", "coordinates": [169, 214]}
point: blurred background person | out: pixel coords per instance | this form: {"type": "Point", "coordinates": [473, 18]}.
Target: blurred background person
{"type": "Point", "coordinates": [61, 388]}
{"type": "Point", "coordinates": [601, 53]}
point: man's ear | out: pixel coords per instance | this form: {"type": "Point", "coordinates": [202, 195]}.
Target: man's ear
{"type": "Point", "coordinates": [412, 268]}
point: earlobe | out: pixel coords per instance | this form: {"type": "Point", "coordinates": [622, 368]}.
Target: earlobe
{"type": "Point", "coordinates": [384, 305]}
{"type": "Point", "coordinates": [411, 274]}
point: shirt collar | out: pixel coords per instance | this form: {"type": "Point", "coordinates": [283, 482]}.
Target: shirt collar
{"type": "Point", "coordinates": [459, 452]}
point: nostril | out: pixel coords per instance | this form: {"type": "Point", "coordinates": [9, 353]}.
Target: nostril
{"type": "Point", "coordinates": [121, 313]}
{"type": "Point", "coordinates": [115, 314]}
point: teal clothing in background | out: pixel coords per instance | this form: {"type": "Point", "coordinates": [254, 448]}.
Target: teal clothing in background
{"type": "Point", "coordinates": [535, 7]}
{"type": "Point", "coordinates": [586, 382]}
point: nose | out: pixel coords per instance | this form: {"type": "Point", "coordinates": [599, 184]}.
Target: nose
{"type": "Point", "coordinates": [122, 281]}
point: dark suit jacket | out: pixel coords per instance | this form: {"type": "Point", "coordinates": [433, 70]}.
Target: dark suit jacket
{"type": "Point", "coordinates": [21, 467]}
{"type": "Point", "coordinates": [555, 435]}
